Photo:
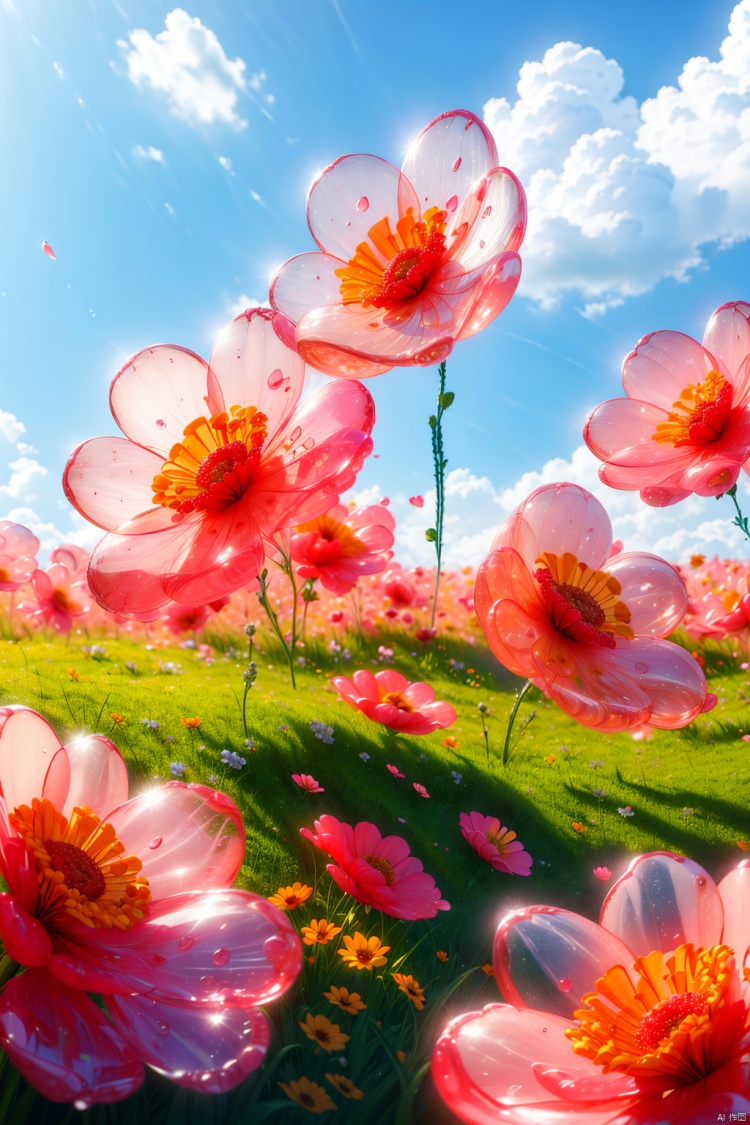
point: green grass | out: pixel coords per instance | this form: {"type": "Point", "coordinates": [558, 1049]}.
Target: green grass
{"type": "Point", "coordinates": [689, 792]}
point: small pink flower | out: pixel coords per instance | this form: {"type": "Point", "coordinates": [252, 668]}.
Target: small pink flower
{"type": "Point", "coordinates": [389, 698]}
{"type": "Point", "coordinates": [496, 844]}
{"type": "Point", "coordinates": [394, 770]}
{"type": "Point", "coordinates": [746, 738]}
{"type": "Point", "coordinates": [603, 873]}
{"type": "Point", "coordinates": [307, 782]}
{"type": "Point", "coordinates": [376, 870]}
{"type": "Point", "coordinates": [420, 789]}
{"type": "Point", "coordinates": [57, 598]}
{"type": "Point", "coordinates": [341, 546]}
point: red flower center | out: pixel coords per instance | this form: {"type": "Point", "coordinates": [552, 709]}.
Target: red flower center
{"type": "Point", "coordinates": [588, 607]}
{"type": "Point", "coordinates": [80, 871]}
{"type": "Point", "coordinates": [699, 415]}
{"type": "Point", "coordinates": [214, 468]}
{"type": "Point", "coordinates": [406, 275]}
{"type": "Point", "coordinates": [657, 1024]}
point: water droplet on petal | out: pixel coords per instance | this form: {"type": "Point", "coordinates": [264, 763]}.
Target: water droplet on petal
{"type": "Point", "coordinates": [49, 251]}
{"type": "Point", "coordinates": [186, 943]}
{"type": "Point", "coordinates": [641, 667]}
{"type": "Point", "coordinates": [700, 881]}
{"type": "Point", "coordinates": [481, 244]}
{"type": "Point", "coordinates": [565, 985]}
{"type": "Point", "coordinates": [363, 203]}
{"type": "Point", "coordinates": [544, 1029]}
{"type": "Point", "coordinates": [162, 1028]}
{"type": "Point", "coordinates": [456, 163]}
{"type": "Point", "coordinates": [487, 211]}
{"type": "Point", "coordinates": [161, 422]}
{"type": "Point", "coordinates": [275, 379]}
{"type": "Point", "coordinates": [308, 443]}
{"type": "Point", "coordinates": [296, 434]}
{"type": "Point", "coordinates": [155, 843]}
{"type": "Point", "coordinates": [221, 956]}
{"type": "Point", "coordinates": [452, 204]}
{"type": "Point", "coordinates": [209, 984]}
{"type": "Point", "coordinates": [512, 1090]}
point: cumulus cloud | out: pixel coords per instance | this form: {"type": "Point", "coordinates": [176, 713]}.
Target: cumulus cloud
{"type": "Point", "coordinates": [80, 532]}
{"type": "Point", "coordinates": [23, 472]}
{"type": "Point", "coordinates": [148, 152]}
{"type": "Point", "coordinates": [11, 430]}
{"type": "Point", "coordinates": [186, 63]}
{"type": "Point", "coordinates": [476, 507]}
{"type": "Point", "coordinates": [238, 304]}
{"type": "Point", "coordinates": [622, 195]}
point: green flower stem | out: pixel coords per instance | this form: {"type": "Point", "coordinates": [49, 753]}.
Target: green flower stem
{"type": "Point", "coordinates": [739, 520]}
{"type": "Point", "coordinates": [435, 534]}
{"type": "Point", "coordinates": [262, 595]}
{"type": "Point", "coordinates": [512, 719]}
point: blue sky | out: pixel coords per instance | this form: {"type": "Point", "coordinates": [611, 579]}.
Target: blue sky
{"type": "Point", "coordinates": [170, 191]}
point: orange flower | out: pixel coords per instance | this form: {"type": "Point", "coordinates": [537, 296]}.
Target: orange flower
{"type": "Point", "coordinates": [441, 955]}
{"type": "Point", "coordinates": [119, 719]}
{"type": "Point", "coordinates": [345, 1086]}
{"type": "Point", "coordinates": [191, 724]}
{"type": "Point", "coordinates": [73, 674]}
{"type": "Point", "coordinates": [488, 970]}
{"type": "Point", "coordinates": [327, 1035]}
{"type": "Point", "coordinates": [450, 743]}
{"type": "Point", "coordinates": [287, 898]}
{"type": "Point", "coordinates": [363, 953]}
{"type": "Point", "coordinates": [319, 932]}
{"type": "Point", "coordinates": [550, 759]}
{"type": "Point", "coordinates": [743, 844]}
{"type": "Point", "coordinates": [411, 988]}
{"type": "Point", "coordinates": [401, 1056]}
{"type": "Point", "coordinates": [309, 1095]}
{"type": "Point", "coordinates": [578, 827]}
{"type": "Point", "coordinates": [350, 1002]}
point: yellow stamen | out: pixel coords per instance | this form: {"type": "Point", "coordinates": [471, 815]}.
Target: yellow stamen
{"type": "Point", "coordinates": [397, 700]}
{"type": "Point", "coordinates": [362, 277]}
{"type": "Point", "coordinates": [594, 593]}
{"type": "Point", "coordinates": [690, 409]}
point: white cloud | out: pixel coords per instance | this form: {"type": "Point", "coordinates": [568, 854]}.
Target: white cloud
{"type": "Point", "coordinates": [475, 508]}
{"type": "Point", "coordinates": [81, 533]}
{"type": "Point", "coordinates": [226, 164]}
{"type": "Point", "coordinates": [11, 430]}
{"type": "Point", "coordinates": [23, 472]}
{"type": "Point", "coordinates": [187, 64]}
{"type": "Point", "coordinates": [149, 153]}
{"type": "Point", "coordinates": [239, 304]}
{"type": "Point", "coordinates": [623, 195]}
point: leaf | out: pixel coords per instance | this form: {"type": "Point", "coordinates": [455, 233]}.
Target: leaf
{"type": "Point", "coordinates": [433, 422]}
{"type": "Point", "coordinates": [446, 400]}
{"type": "Point", "coordinates": [430, 535]}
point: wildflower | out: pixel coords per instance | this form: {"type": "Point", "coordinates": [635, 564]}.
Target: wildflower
{"type": "Point", "coordinates": [450, 743]}
{"type": "Point", "coordinates": [309, 1095]}
{"type": "Point", "coordinates": [393, 770]}
{"type": "Point", "coordinates": [191, 724]}
{"type": "Point", "coordinates": [389, 698]}
{"type": "Point", "coordinates": [350, 1002]}
{"type": "Point", "coordinates": [482, 708]}
{"type": "Point", "coordinates": [289, 898]}
{"type": "Point", "coordinates": [376, 870]}
{"type": "Point", "coordinates": [345, 1086]}
{"type": "Point", "coordinates": [686, 812]}
{"type": "Point", "coordinates": [150, 724]}
{"type": "Point", "coordinates": [319, 932]}
{"type": "Point", "coordinates": [420, 789]}
{"type": "Point", "coordinates": [250, 629]}
{"type": "Point", "coordinates": [212, 779]}
{"type": "Point", "coordinates": [410, 987]}
{"type": "Point", "coordinates": [457, 777]}
{"type": "Point", "coordinates": [365, 756]}
{"type": "Point", "coordinates": [441, 955]}
{"type": "Point", "coordinates": [177, 769]}
{"type": "Point", "coordinates": [322, 731]}
{"type": "Point", "coordinates": [627, 811]}
{"type": "Point", "coordinates": [488, 970]}
{"type": "Point", "coordinates": [250, 674]}
{"type": "Point", "coordinates": [603, 873]}
{"type": "Point", "coordinates": [577, 826]}
{"type": "Point", "coordinates": [232, 759]}
{"type": "Point", "coordinates": [363, 953]}
{"type": "Point", "coordinates": [118, 719]}
{"type": "Point", "coordinates": [73, 674]}
{"type": "Point", "coordinates": [550, 759]}
{"type": "Point", "coordinates": [595, 765]}
{"type": "Point", "coordinates": [326, 1034]}
{"type": "Point", "coordinates": [341, 546]}
{"type": "Point", "coordinates": [496, 844]}
{"type": "Point", "coordinates": [744, 845]}
{"type": "Point", "coordinates": [307, 782]}
{"type": "Point", "coordinates": [599, 794]}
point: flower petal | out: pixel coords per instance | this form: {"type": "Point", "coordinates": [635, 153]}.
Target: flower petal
{"type": "Point", "coordinates": [668, 674]}
{"type": "Point", "coordinates": [32, 761]}
{"type": "Point", "coordinates": [109, 480]}
{"type": "Point", "coordinates": [558, 518]}
{"type": "Point", "coordinates": [254, 368]}
{"type": "Point", "coordinates": [212, 948]}
{"type": "Point", "coordinates": [662, 901]}
{"type": "Point", "coordinates": [503, 1065]}
{"type": "Point", "coordinates": [490, 296]}
{"type": "Point", "coordinates": [98, 775]}
{"type": "Point", "coordinates": [156, 394]}
{"type": "Point", "coordinates": [501, 222]}
{"type": "Point", "coordinates": [662, 365]}
{"type": "Point", "coordinates": [539, 946]}
{"type": "Point", "coordinates": [727, 338]}
{"type": "Point", "coordinates": [209, 1051]}
{"type": "Point", "coordinates": [734, 890]}
{"type": "Point", "coordinates": [652, 590]}
{"type": "Point", "coordinates": [304, 282]}
{"type": "Point", "coordinates": [63, 1044]}
{"type": "Point", "coordinates": [188, 837]}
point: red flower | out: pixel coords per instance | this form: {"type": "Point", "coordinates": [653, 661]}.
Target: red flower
{"type": "Point", "coordinates": [340, 546]}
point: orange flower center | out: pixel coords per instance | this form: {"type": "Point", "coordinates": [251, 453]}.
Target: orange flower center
{"type": "Point", "coordinates": [334, 541]}
{"type": "Point", "coordinates": [397, 700]}
{"type": "Point", "coordinates": [582, 603]}
{"type": "Point", "coordinates": [678, 1023]}
{"type": "Point", "coordinates": [4, 574]}
{"type": "Point", "coordinates": [699, 415]}
{"type": "Point", "coordinates": [82, 871]}
{"type": "Point", "coordinates": [62, 601]}
{"type": "Point", "coordinates": [215, 464]}
{"type": "Point", "coordinates": [393, 267]}
{"type": "Point", "coordinates": [501, 841]}
{"type": "Point", "coordinates": [383, 866]}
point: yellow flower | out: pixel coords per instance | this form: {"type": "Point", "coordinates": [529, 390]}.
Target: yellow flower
{"type": "Point", "coordinates": [287, 898]}
{"type": "Point", "coordinates": [411, 988]}
{"type": "Point", "coordinates": [327, 1035]}
{"type": "Point", "coordinates": [119, 719]}
{"type": "Point", "coordinates": [350, 1002]}
{"type": "Point", "coordinates": [73, 674]}
{"type": "Point", "coordinates": [319, 933]}
{"type": "Point", "coordinates": [488, 970]}
{"type": "Point", "coordinates": [345, 1087]}
{"type": "Point", "coordinates": [363, 953]}
{"type": "Point", "coordinates": [308, 1094]}
{"type": "Point", "coordinates": [191, 724]}
{"type": "Point", "coordinates": [441, 955]}
{"type": "Point", "coordinates": [550, 759]}
{"type": "Point", "coordinates": [578, 827]}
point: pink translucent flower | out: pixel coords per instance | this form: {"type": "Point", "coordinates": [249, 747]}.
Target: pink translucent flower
{"type": "Point", "coordinates": [181, 618]}
{"type": "Point", "coordinates": [18, 546]}
{"type": "Point", "coordinates": [217, 459]}
{"type": "Point", "coordinates": [496, 844]}
{"type": "Point", "coordinates": [340, 546]}
{"type": "Point", "coordinates": [307, 782]}
{"type": "Point", "coordinates": [681, 1013]}
{"type": "Point", "coordinates": [685, 425]}
{"type": "Point", "coordinates": [586, 628]}
{"type": "Point", "coordinates": [420, 789]}
{"type": "Point", "coordinates": [57, 598]}
{"type": "Point", "coordinates": [75, 558]}
{"type": "Point", "coordinates": [141, 912]}
{"type": "Point", "coordinates": [411, 260]}
{"type": "Point", "coordinates": [389, 698]}
{"type": "Point", "coordinates": [393, 770]}
{"type": "Point", "coordinates": [376, 870]}
{"type": "Point", "coordinates": [603, 873]}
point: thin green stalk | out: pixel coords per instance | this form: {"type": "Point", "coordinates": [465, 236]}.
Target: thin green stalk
{"type": "Point", "coordinates": [512, 719]}
{"type": "Point", "coordinates": [739, 520]}
{"type": "Point", "coordinates": [270, 613]}
{"type": "Point", "coordinates": [435, 534]}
